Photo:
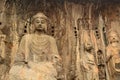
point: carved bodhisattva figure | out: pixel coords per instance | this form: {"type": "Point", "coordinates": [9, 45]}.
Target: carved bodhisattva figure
{"type": "Point", "coordinates": [37, 54]}
{"type": "Point", "coordinates": [113, 55]}
{"type": "Point", "coordinates": [89, 67]}
{"type": "Point", "coordinates": [4, 67]}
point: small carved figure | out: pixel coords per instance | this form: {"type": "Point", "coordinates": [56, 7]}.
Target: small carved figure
{"type": "Point", "coordinates": [113, 55]}
{"type": "Point", "coordinates": [4, 58]}
{"type": "Point", "coordinates": [102, 75]}
{"type": "Point", "coordinates": [37, 55]}
{"type": "Point", "coordinates": [101, 65]}
{"type": "Point", "coordinates": [89, 66]}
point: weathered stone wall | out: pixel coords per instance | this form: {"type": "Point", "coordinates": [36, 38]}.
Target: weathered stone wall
{"type": "Point", "coordinates": [68, 21]}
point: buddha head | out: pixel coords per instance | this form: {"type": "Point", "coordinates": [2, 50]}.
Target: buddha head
{"type": "Point", "coordinates": [39, 22]}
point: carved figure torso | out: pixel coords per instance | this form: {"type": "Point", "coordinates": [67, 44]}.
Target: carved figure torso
{"type": "Point", "coordinates": [38, 51]}
{"type": "Point", "coordinates": [38, 48]}
{"type": "Point", "coordinates": [114, 52]}
{"type": "Point", "coordinates": [90, 60]}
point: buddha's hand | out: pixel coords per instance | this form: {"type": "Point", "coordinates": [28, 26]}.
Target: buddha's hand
{"type": "Point", "coordinates": [56, 59]}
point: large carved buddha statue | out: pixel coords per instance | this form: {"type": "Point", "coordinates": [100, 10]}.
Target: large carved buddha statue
{"type": "Point", "coordinates": [37, 54]}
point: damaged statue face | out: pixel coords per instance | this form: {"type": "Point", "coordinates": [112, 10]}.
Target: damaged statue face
{"type": "Point", "coordinates": [88, 45]}
{"type": "Point", "coordinates": [113, 37]}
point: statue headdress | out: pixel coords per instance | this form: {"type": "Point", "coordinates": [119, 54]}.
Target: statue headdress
{"type": "Point", "coordinates": [39, 15]}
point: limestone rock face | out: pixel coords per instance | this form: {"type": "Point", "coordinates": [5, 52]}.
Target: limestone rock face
{"type": "Point", "coordinates": [25, 55]}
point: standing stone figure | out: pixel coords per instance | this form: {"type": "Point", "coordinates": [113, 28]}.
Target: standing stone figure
{"type": "Point", "coordinates": [113, 55]}
{"type": "Point", "coordinates": [4, 53]}
{"type": "Point", "coordinates": [3, 58]}
{"type": "Point", "coordinates": [37, 54]}
{"type": "Point", "coordinates": [101, 65]}
{"type": "Point", "coordinates": [89, 67]}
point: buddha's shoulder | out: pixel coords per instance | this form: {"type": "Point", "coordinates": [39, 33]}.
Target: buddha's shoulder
{"type": "Point", "coordinates": [49, 37]}
{"type": "Point", "coordinates": [27, 36]}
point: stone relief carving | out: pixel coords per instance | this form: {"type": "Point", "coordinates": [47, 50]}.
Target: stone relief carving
{"type": "Point", "coordinates": [88, 64]}
{"type": "Point", "coordinates": [37, 54]}
{"type": "Point", "coordinates": [113, 56]}
{"type": "Point", "coordinates": [31, 50]}
{"type": "Point", "coordinates": [101, 65]}
{"type": "Point", "coordinates": [4, 56]}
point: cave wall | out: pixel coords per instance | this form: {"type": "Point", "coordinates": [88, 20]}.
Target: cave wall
{"type": "Point", "coordinates": [68, 22]}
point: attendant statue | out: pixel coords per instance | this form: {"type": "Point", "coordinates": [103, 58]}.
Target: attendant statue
{"type": "Point", "coordinates": [113, 55]}
{"type": "Point", "coordinates": [88, 64]}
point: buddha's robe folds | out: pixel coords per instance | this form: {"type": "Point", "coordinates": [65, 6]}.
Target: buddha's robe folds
{"type": "Point", "coordinates": [35, 58]}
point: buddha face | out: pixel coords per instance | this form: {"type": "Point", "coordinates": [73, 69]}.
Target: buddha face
{"type": "Point", "coordinates": [40, 24]}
